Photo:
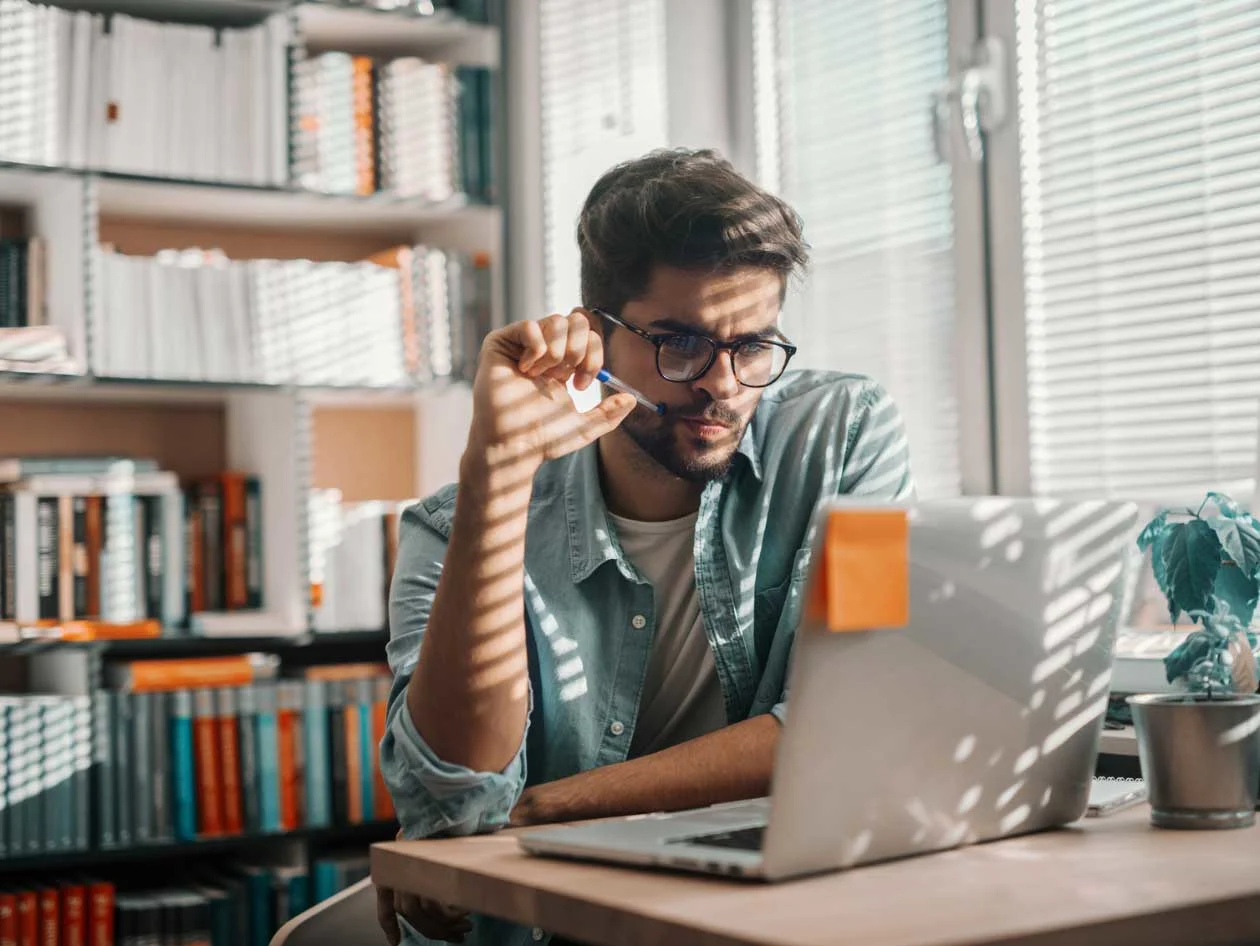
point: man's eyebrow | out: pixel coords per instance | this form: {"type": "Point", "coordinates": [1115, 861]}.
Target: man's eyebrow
{"type": "Point", "coordinates": [685, 328]}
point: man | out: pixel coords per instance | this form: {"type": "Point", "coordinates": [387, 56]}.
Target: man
{"type": "Point", "coordinates": [601, 622]}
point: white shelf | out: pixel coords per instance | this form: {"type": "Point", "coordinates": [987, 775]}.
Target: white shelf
{"type": "Point", "coordinates": [217, 12]}
{"type": "Point", "coordinates": [387, 34]}
{"type": "Point", "coordinates": [184, 202]}
{"type": "Point", "coordinates": [15, 386]}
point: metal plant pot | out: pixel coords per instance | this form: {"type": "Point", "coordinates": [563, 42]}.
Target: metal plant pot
{"type": "Point", "coordinates": [1200, 758]}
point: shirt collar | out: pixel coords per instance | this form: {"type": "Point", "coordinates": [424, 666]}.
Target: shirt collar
{"type": "Point", "coordinates": [592, 540]}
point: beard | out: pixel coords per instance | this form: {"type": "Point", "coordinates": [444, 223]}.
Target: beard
{"type": "Point", "coordinates": [665, 440]}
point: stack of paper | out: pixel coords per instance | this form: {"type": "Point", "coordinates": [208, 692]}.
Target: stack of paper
{"type": "Point", "coordinates": [127, 94]}
{"type": "Point", "coordinates": [194, 315]}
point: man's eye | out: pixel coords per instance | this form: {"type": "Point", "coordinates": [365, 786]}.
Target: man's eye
{"type": "Point", "coordinates": [685, 345]}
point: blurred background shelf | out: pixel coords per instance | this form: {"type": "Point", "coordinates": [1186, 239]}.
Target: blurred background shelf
{"type": "Point", "coordinates": [363, 834]}
{"type": "Point", "coordinates": [303, 649]}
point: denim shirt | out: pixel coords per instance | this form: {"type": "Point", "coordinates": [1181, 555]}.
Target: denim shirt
{"type": "Point", "coordinates": [589, 615]}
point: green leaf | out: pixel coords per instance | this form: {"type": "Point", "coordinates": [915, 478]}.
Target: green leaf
{"type": "Point", "coordinates": [1192, 558]}
{"type": "Point", "coordinates": [1228, 508]}
{"type": "Point", "coordinates": [1186, 655]}
{"type": "Point", "coordinates": [1238, 592]}
{"type": "Point", "coordinates": [1154, 530]}
{"type": "Point", "coordinates": [1240, 541]}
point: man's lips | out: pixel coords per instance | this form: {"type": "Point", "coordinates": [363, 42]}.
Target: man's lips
{"type": "Point", "coordinates": [707, 424]}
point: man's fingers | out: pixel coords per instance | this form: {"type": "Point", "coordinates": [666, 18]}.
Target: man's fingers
{"type": "Point", "coordinates": [599, 420]}
{"type": "Point", "coordinates": [438, 908]}
{"type": "Point", "coordinates": [574, 348]}
{"type": "Point", "coordinates": [386, 915]}
{"type": "Point", "coordinates": [433, 919]}
{"type": "Point", "coordinates": [534, 342]}
{"type": "Point", "coordinates": [590, 365]}
{"type": "Point", "coordinates": [555, 330]}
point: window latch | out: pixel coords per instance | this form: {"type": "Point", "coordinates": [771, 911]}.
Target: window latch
{"type": "Point", "coordinates": [979, 92]}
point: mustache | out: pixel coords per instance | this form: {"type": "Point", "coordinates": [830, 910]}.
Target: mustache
{"type": "Point", "coordinates": [707, 414]}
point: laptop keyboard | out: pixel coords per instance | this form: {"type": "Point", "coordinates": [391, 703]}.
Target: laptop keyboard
{"type": "Point", "coordinates": [743, 839]}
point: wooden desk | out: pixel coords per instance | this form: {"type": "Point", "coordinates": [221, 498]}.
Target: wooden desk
{"type": "Point", "coordinates": [1112, 881]}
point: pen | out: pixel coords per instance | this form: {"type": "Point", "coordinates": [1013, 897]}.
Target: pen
{"type": "Point", "coordinates": [618, 385]}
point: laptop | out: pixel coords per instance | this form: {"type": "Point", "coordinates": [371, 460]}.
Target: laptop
{"type": "Point", "coordinates": [948, 686]}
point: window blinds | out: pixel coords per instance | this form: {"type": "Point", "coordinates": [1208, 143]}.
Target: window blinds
{"type": "Point", "coordinates": [603, 101]}
{"type": "Point", "coordinates": [857, 162]}
{"type": "Point", "coordinates": [1140, 167]}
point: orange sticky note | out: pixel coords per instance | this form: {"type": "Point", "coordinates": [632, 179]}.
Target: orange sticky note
{"type": "Point", "coordinates": [864, 582]}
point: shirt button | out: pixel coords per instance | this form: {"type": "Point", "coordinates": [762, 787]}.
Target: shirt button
{"type": "Point", "coordinates": [638, 622]}
{"type": "Point", "coordinates": [616, 728]}
{"type": "Point", "coordinates": [537, 934]}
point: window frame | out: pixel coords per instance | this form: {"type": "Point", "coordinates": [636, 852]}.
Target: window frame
{"type": "Point", "coordinates": [974, 380]}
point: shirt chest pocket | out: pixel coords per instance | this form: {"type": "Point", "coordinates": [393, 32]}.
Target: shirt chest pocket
{"type": "Point", "coordinates": [778, 609]}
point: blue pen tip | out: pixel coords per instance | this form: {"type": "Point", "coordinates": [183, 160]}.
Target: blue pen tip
{"type": "Point", "coordinates": [602, 375]}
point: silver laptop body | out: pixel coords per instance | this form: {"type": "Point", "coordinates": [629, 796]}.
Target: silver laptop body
{"type": "Point", "coordinates": [978, 720]}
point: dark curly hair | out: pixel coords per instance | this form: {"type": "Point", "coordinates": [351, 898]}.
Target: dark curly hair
{"type": "Point", "coordinates": [682, 208]}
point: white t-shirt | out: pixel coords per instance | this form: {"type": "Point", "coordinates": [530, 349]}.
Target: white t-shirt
{"type": "Point", "coordinates": [682, 697]}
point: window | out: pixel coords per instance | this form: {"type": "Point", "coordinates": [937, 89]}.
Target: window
{"type": "Point", "coordinates": [1139, 151]}
{"type": "Point", "coordinates": [603, 101]}
{"type": "Point", "coordinates": [854, 155]}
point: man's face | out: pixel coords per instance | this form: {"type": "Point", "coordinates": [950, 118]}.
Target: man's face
{"type": "Point", "coordinates": [705, 418]}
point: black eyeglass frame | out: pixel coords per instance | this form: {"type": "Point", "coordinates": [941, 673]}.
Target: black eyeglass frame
{"type": "Point", "coordinates": [659, 339]}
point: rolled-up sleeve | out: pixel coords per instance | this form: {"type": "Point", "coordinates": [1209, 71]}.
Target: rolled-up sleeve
{"type": "Point", "coordinates": [432, 797]}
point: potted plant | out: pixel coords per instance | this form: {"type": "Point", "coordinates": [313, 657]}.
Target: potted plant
{"type": "Point", "coordinates": [1200, 747]}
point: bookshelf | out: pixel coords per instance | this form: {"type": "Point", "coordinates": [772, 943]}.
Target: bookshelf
{"type": "Point", "coordinates": [373, 439]}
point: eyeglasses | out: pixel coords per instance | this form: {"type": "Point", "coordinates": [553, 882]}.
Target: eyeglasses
{"type": "Point", "coordinates": [757, 363]}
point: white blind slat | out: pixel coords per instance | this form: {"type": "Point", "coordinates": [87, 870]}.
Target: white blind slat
{"type": "Point", "coordinates": [855, 159]}
{"type": "Point", "coordinates": [603, 101]}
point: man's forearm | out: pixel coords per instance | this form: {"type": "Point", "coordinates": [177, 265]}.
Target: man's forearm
{"type": "Point", "coordinates": [469, 694]}
{"type": "Point", "coordinates": [730, 764]}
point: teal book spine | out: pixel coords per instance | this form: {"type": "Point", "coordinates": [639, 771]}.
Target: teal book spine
{"type": "Point", "coordinates": [123, 763]}
{"type": "Point", "coordinates": [268, 756]}
{"type": "Point", "coordinates": [258, 881]}
{"type": "Point", "coordinates": [16, 725]}
{"type": "Point", "coordinates": [299, 890]}
{"type": "Point", "coordinates": [83, 733]}
{"type": "Point", "coordinates": [317, 775]}
{"type": "Point", "coordinates": [159, 739]}
{"type": "Point", "coordinates": [4, 778]}
{"type": "Point", "coordinates": [323, 880]}
{"type": "Point", "coordinates": [366, 692]}
{"type": "Point", "coordinates": [469, 126]}
{"type": "Point", "coordinates": [183, 773]}
{"type": "Point", "coordinates": [103, 786]}
{"type": "Point", "coordinates": [141, 794]}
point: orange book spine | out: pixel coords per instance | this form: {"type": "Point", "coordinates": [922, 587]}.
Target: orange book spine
{"type": "Point", "coordinates": [101, 914]}
{"type": "Point", "coordinates": [235, 539]}
{"type": "Point", "coordinates": [209, 777]}
{"type": "Point", "coordinates": [65, 558]}
{"type": "Point", "coordinates": [148, 676]}
{"type": "Point", "coordinates": [383, 804]}
{"type": "Point", "coordinates": [8, 919]}
{"type": "Point", "coordinates": [287, 733]}
{"type": "Point", "coordinates": [230, 753]}
{"type": "Point", "coordinates": [73, 916]}
{"type": "Point", "coordinates": [95, 538]}
{"type": "Point", "coordinates": [364, 126]}
{"type": "Point", "coordinates": [49, 918]}
{"type": "Point", "coordinates": [343, 672]}
{"type": "Point", "coordinates": [28, 918]}
{"type": "Point", "coordinates": [354, 757]}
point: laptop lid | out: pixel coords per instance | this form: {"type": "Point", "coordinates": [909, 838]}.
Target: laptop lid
{"type": "Point", "coordinates": [977, 714]}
